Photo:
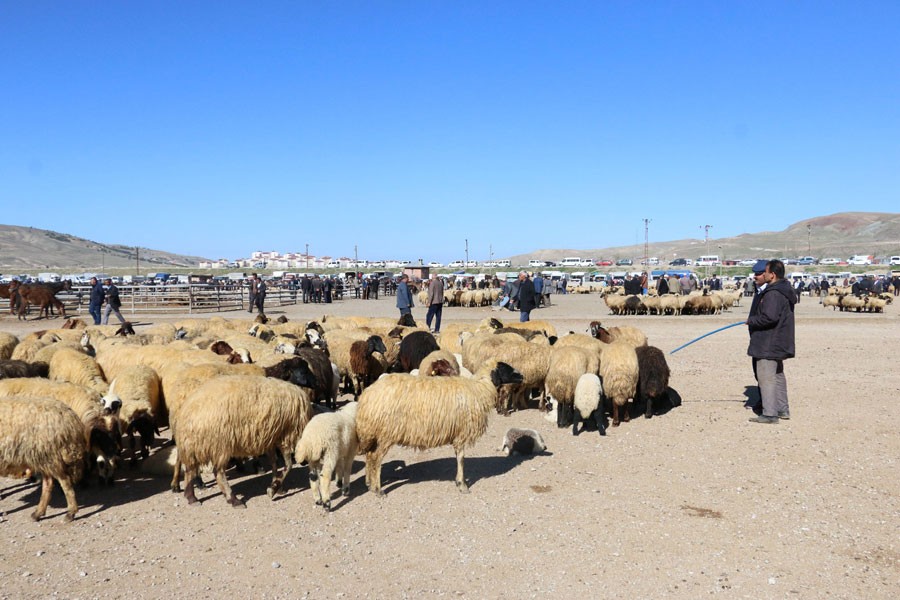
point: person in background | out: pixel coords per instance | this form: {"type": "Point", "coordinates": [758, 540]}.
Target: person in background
{"type": "Point", "coordinates": [644, 284]}
{"type": "Point", "coordinates": [252, 294]}
{"type": "Point", "coordinates": [404, 296]}
{"type": "Point", "coordinates": [538, 289]}
{"type": "Point", "coordinates": [96, 300]}
{"type": "Point", "coordinates": [113, 302]}
{"type": "Point", "coordinates": [525, 297]}
{"type": "Point", "coordinates": [260, 295]}
{"type": "Point", "coordinates": [823, 289]}
{"type": "Point", "coordinates": [662, 285]}
{"type": "Point", "coordinates": [435, 302]}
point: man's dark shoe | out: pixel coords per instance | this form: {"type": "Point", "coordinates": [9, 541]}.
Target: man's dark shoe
{"type": "Point", "coordinates": [784, 414]}
{"type": "Point", "coordinates": [765, 419]}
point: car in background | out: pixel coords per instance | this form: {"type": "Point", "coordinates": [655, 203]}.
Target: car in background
{"type": "Point", "coordinates": [623, 262]}
{"type": "Point", "coordinates": [829, 261]}
{"type": "Point", "coordinates": [860, 260]}
{"type": "Point", "coordinates": [604, 263]}
{"type": "Point", "coordinates": [894, 260]}
{"type": "Point", "coordinates": [748, 262]}
{"type": "Point", "coordinates": [456, 264]}
{"type": "Point", "coordinates": [806, 260]}
{"type": "Point", "coordinates": [435, 265]}
{"type": "Point", "coordinates": [681, 262]}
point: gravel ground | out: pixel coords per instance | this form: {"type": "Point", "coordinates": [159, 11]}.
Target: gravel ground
{"type": "Point", "coordinates": [691, 503]}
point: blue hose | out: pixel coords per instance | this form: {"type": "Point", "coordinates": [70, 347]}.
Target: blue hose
{"type": "Point", "coordinates": [707, 334]}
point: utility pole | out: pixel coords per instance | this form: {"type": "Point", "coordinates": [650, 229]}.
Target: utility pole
{"type": "Point", "coordinates": [355, 255]}
{"type": "Point", "coordinates": [808, 239]}
{"type": "Point", "coordinates": [467, 255]}
{"type": "Point", "coordinates": [137, 260]}
{"type": "Point", "coordinates": [647, 240]}
{"type": "Point", "coordinates": [707, 228]}
{"type": "Point", "coordinates": [307, 257]}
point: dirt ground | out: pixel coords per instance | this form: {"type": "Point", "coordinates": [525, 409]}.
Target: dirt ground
{"type": "Point", "coordinates": [691, 503]}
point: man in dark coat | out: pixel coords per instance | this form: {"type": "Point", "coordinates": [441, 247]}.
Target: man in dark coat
{"type": "Point", "coordinates": [771, 325]}
{"type": "Point", "coordinates": [662, 285]}
{"type": "Point", "coordinates": [96, 301]}
{"type": "Point", "coordinates": [526, 297]}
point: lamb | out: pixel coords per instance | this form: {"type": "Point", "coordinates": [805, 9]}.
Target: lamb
{"type": "Point", "coordinates": [522, 441]}
{"type": "Point", "coordinates": [10, 369]}
{"type": "Point", "coordinates": [328, 445]}
{"type": "Point", "coordinates": [567, 365]}
{"type": "Point", "coordinates": [427, 412]}
{"type": "Point", "coordinates": [589, 403]}
{"type": "Point", "coordinates": [413, 348]}
{"type": "Point", "coordinates": [45, 436]}
{"type": "Point", "coordinates": [240, 416]}
{"type": "Point", "coordinates": [619, 373]}
{"type": "Point", "coordinates": [134, 396]}
{"type": "Point", "coordinates": [653, 377]}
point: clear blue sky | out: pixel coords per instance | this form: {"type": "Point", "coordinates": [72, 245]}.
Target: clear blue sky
{"type": "Point", "coordinates": [405, 128]}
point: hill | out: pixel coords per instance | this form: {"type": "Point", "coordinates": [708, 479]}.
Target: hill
{"type": "Point", "coordinates": [26, 249]}
{"type": "Point", "coordinates": [840, 235]}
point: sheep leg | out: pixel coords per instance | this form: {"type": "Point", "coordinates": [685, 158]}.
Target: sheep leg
{"type": "Point", "coordinates": [600, 419]}
{"type": "Point", "coordinates": [561, 415]}
{"type": "Point", "coordinates": [314, 484]}
{"type": "Point", "coordinates": [46, 489]}
{"type": "Point", "coordinates": [373, 470]}
{"type": "Point", "coordinates": [278, 478]}
{"type": "Point", "coordinates": [71, 503]}
{"type": "Point", "coordinates": [648, 411]}
{"type": "Point", "coordinates": [325, 488]}
{"type": "Point", "coordinates": [626, 412]}
{"type": "Point", "coordinates": [615, 414]}
{"type": "Point", "coordinates": [346, 469]}
{"type": "Point", "coordinates": [175, 485]}
{"type": "Point", "coordinates": [189, 480]}
{"type": "Point", "coordinates": [575, 420]}
{"type": "Point", "coordinates": [460, 476]}
{"type": "Point", "coordinates": [226, 489]}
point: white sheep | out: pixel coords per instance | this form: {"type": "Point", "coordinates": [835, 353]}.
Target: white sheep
{"type": "Point", "coordinates": [328, 445]}
{"type": "Point", "coordinates": [238, 417]}
{"type": "Point", "coordinates": [522, 441]}
{"type": "Point", "coordinates": [8, 343]}
{"type": "Point", "coordinates": [426, 412]}
{"type": "Point", "coordinates": [134, 396]}
{"type": "Point", "coordinates": [589, 403]}
{"type": "Point", "coordinates": [567, 365]}
{"type": "Point", "coordinates": [77, 367]}
{"type": "Point", "coordinates": [47, 437]}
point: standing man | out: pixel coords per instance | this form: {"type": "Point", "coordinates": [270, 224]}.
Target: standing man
{"type": "Point", "coordinates": [404, 296]}
{"type": "Point", "coordinates": [526, 297]}
{"type": "Point", "coordinates": [538, 289]}
{"type": "Point", "coordinates": [113, 303]}
{"type": "Point", "coordinates": [252, 293]}
{"type": "Point", "coordinates": [306, 287]}
{"type": "Point", "coordinates": [96, 301]}
{"type": "Point", "coordinates": [771, 325]}
{"type": "Point", "coordinates": [260, 295]}
{"type": "Point", "coordinates": [435, 302]}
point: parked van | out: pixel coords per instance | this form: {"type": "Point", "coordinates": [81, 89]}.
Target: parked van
{"type": "Point", "coordinates": [860, 259]}
{"type": "Point", "coordinates": [894, 260]}
{"type": "Point", "coordinates": [710, 260]}
{"type": "Point", "coordinates": [503, 263]}
{"type": "Point", "coordinates": [571, 261]}
{"type": "Point", "coordinates": [535, 263]}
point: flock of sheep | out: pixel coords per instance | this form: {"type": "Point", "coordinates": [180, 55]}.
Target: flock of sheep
{"type": "Point", "coordinates": [78, 401]}
{"type": "Point", "coordinates": [842, 298]}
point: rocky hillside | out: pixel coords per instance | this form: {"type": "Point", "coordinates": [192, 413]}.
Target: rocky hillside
{"type": "Point", "coordinates": [26, 249]}
{"type": "Point", "coordinates": [839, 235]}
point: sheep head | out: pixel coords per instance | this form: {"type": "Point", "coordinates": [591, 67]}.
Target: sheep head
{"type": "Point", "coordinates": [375, 344]}
{"type": "Point", "coordinates": [504, 374]}
{"type": "Point", "coordinates": [221, 348]}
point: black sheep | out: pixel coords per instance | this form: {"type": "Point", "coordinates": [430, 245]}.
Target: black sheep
{"type": "Point", "coordinates": [653, 377]}
{"type": "Point", "coordinates": [413, 348]}
{"type": "Point", "coordinates": [11, 369]}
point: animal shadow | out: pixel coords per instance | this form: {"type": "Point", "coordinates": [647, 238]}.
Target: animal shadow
{"type": "Point", "coordinates": [395, 474]}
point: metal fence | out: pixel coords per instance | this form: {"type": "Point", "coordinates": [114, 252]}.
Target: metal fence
{"type": "Point", "coordinates": [181, 298]}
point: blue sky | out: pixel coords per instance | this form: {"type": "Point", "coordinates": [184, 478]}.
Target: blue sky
{"type": "Point", "coordinates": [406, 128]}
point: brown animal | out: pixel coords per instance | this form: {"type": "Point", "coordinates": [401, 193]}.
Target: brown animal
{"type": "Point", "coordinates": [41, 295]}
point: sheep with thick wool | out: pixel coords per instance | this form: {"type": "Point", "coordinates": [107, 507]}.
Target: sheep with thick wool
{"type": "Point", "coordinates": [77, 367]}
{"type": "Point", "coordinates": [240, 417]}
{"type": "Point", "coordinates": [567, 365]}
{"type": "Point", "coordinates": [31, 343]}
{"type": "Point", "coordinates": [47, 437]}
{"type": "Point", "coordinates": [588, 403]}
{"type": "Point", "coordinates": [427, 412]}
{"type": "Point", "coordinates": [8, 343]}
{"type": "Point", "coordinates": [623, 333]}
{"type": "Point", "coordinates": [367, 363]}
{"type": "Point", "coordinates": [619, 373]}
{"type": "Point", "coordinates": [530, 359]}
{"type": "Point", "coordinates": [101, 434]}
{"type": "Point", "coordinates": [427, 366]}
{"type": "Point", "coordinates": [13, 369]}
{"type": "Point", "coordinates": [134, 397]}
{"type": "Point", "coordinates": [328, 445]}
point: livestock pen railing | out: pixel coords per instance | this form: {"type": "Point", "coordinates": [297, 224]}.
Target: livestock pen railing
{"type": "Point", "coordinates": [178, 298]}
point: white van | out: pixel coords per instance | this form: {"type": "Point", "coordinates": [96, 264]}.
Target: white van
{"type": "Point", "coordinates": [710, 260]}
{"type": "Point", "coordinates": [535, 263]}
{"type": "Point", "coordinates": [571, 261]}
{"type": "Point", "coordinates": [504, 263]}
{"type": "Point", "coordinates": [894, 260]}
{"type": "Point", "coordinates": [860, 259]}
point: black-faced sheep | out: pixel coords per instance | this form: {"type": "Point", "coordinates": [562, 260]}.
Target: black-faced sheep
{"type": "Point", "coordinates": [240, 417]}
{"type": "Point", "coordinates": [328, 445]}
{"type": "Point", "coordinates": [588, 403]}
{"type": "Point", "coordinates": [426, 412]}
{"type": "Point", "coordinates": [47, 437]}
{"type": "Point", "coordinates": [522, 441]}
{"type": "Point", "coordinates": [653, 377]}
{"type": "Point", "coordinates": [134, 397]}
